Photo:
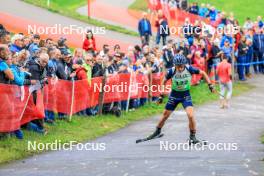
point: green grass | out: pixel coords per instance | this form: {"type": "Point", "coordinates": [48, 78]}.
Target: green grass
{"type": "Point", "coordinates": [139, 5]}
{"type": "Point", "coordinates": [241, 8]}
{"type": "Point", "coordinates": [262, 139]}
{"type": "Point", "coordinates": [68, 8]}
{"type": "Point", "coordinates": [85, 128]}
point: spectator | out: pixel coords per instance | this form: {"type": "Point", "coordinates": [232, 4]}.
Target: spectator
{"type": "Point", "coordinates": [89, 44]}
{"type": "Point", "coordinates": [188, 31]}
{"type": "Point", "coordinates": [6, 75]}
{"type": "Point", "coordinates": [249, 56]}
{"type": "Point", "coordinates": [194, 9]}
{"type": "Point", "coordinates": [203, 11]}
{"type": "Point", "coordinates": [81, 72]}
{"type": "Point", "coordinates": [98, 68]}
{"type": "Point", "coordinates": [26, 42]}
{"type": "Point", "coordinates": [20, 80]}
{"type": "Point", "coordinates": [144, 29]}
{"type": "Point", "coordinates": [224, 73]}
{"type": "Point", "coordinates": [88, 65]}
{"type": "Point", "coordinates": [212, 14]}
{"type": "Point", "coordinates": [105, 50]}
{"type": "Point", "coordinates": [34, 46]}
{"type": "Point", "coordinates": [4, 37]}
{"type": "Point", "coordinates": [241, 60]}
{"type": "Point", "coordinates": [38, 71]}
{"type": "Point", "coordinates": [248, 24]}
{"type": "Point", "coordinates": [216, 54]}
{"type": "Point", "coordinates": [258, 46]}
{"type": "Point", "coordinates": [20, 74]}
{"type": "Point", "coordinates": [78, 55]}
{"type": "Point", "coordinates": [260, 22]}
{"type": "Point", "coordinates": [62, 46]}
{"type": "Point", "coordinates": [117, 49]}
{"type": "Point", "coordinates": [17, 43]}
{"type": "Point", "coordinates": [163, 30]}
{"type": "Point", "coordinates": [227, 50]}
{"type": "Point", "coordinates": [168, 55]}
{"type": "Point", "coordinates": [49, 43]}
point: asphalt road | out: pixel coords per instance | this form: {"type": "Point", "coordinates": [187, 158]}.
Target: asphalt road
{"type": "Point", "coordinates": [242, 124]}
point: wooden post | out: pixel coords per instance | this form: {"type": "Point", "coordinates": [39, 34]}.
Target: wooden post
{"type": "Point", "coordinates": [101, 95]}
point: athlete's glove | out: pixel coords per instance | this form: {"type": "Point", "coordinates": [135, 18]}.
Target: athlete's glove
{"type": "Point", "coordinates": [211, 87]}
{"type": "Point", "coordinates": [160, 100]}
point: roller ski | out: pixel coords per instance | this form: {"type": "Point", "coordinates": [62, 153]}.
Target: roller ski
{"type": "Point", "coordinates": [181, 77]}
{"type": "Point", "coordinates": [157, 134]}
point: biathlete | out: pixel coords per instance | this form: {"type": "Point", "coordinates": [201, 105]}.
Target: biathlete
{"type": "Point", "coordinates": [181, 76]}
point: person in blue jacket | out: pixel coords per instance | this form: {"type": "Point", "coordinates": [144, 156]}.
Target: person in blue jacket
{"type": "Point", "coordinates": [227, 50]}
{"type": "Point", "coordinates": [224, 38]}
{"type": "Point", "coordinates": [17, 43]}
{"type": "Point", "coordinates": [212, 14]}
{"type": "Point", "coordinates": [144, 29]}
{"type": "Point", "coordinates": [203, 11]}
{"type": "Point", "coordinates": [258, 47]}
{"type": "Point", "coordinates": [19, 79]}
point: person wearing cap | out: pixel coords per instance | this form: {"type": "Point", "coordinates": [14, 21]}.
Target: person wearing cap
{"type": "Point", "coordinates": [181, 76]}
{"type": "Point", "coordinates": [17, 43]}
{"type": "Point", "coordinates": [81, 72]}
{"type": "Point", "coordinates": [34, 46]}
{"type": "Point", "coordinates": [64, 66]}
{"type": "Point", "coordinates": [227, 50]}
{"type": "Point", "coordinates": [144, 29]}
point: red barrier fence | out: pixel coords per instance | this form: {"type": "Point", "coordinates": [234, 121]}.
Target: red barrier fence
{"type": "Point", "coordinates": [71, 97]}
{"type": "Point", "coordinates": [16, 111]}
{"type": "Point", "coordinates": [173, 13]}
